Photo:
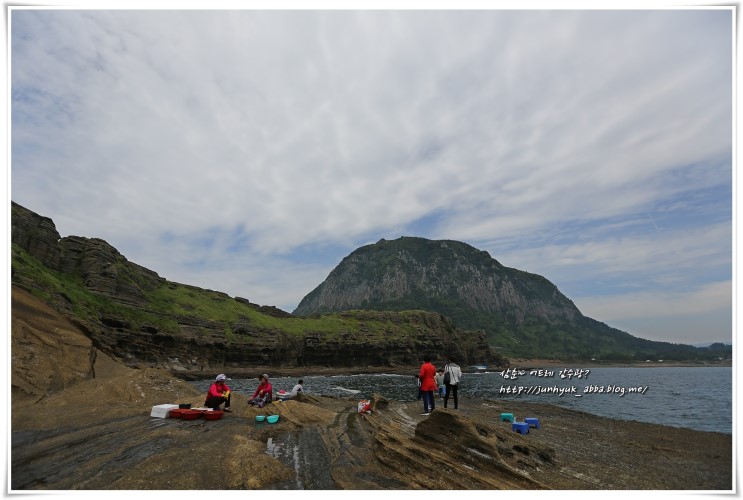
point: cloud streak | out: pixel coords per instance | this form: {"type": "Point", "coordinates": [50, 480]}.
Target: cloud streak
{"type": "Point", "coordinates": [217, 146]}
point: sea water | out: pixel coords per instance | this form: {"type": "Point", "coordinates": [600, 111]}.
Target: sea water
{"type": "Point", "coordinates": [694, 397]}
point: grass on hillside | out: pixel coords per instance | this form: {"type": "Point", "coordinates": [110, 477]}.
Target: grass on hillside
{"type": "Point", "coordinates": [170, 300]}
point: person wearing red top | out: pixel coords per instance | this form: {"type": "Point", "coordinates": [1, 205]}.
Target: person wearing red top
{"type": "Point", "coordinates": [218, 393]}
{"type": "Point", "coordinates": [263, 394]}
{"type": "Point", "coordinates": [428, 385]}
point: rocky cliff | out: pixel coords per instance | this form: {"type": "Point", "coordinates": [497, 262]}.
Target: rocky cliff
{"type": "Point", "coordinates": [523, 314]}
{"type": "Point", "coordinates": [80, 421]}
{"type": "Point", "coordinates": [423, 272]}
{"type": "Point", "coordinates": [132, 314]}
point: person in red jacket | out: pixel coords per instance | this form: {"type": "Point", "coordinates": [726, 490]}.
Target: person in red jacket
{"type": "Point", "coordinates": [428, 385]}
{"type": "Point", "coordinates": [218, 393]}
{"type": "Point", "coordinates": [263, 394]}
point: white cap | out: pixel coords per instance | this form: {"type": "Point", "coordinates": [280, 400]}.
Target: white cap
{"type": "Point", "coordinates": [221, 376]}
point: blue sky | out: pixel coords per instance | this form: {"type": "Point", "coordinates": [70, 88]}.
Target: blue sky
{"type": "Point", "coordinates": [250, 151]}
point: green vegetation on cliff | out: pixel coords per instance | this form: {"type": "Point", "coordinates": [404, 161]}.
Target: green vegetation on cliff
{"type": "Point", "coordinates": [131, 313]}
{"type": "Point", "coordinates": [383, 305]}
{"type": "Point", "coordinates": [174, 300]}
{"type": "Point", "coordinates": [523, 314]}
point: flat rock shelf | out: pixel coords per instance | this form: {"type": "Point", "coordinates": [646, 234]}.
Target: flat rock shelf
{"type": "Point", "coordinates": [64, 442]}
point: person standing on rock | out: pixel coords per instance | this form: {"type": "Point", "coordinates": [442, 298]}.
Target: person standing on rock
{"type": "Point", "coordinates": [452, 375]}
{"type": "Point", "coordinates": [428, 385]}
{"type": "Point", "coordinates": [263, 394]}
{"type": "Point", "coordinates": [218, 393]}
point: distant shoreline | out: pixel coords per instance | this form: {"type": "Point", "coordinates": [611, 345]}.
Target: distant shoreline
{"type": "Point", "coordinates": [540, 363]}
{"type": "Point", "coordinates": [523, 364]}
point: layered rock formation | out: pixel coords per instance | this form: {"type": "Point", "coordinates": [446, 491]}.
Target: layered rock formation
{"type": "Point", "coordinates": [97, 435]}
{"type": "Point", "coordinates": [131, 313]}
{"type": "Point", "coordinates": [80, 421]}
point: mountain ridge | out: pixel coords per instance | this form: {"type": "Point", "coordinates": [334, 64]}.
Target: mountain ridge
{"type": "Point", "coordinates": [523, 314]}
{"type": "Point", "coordinates": [134, 315]}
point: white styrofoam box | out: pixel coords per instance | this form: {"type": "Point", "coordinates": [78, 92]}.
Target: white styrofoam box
{"type": "Point", "coordinates": [161, 411]}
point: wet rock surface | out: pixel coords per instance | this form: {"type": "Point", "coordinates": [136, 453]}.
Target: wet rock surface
{"type": "Point", "coordinates": [80, 420]}
{"type": "Point", "coordinates": [83, 439]}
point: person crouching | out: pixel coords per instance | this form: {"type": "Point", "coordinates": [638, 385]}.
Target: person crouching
{"type": "Point", "coordinates": [218, 393]}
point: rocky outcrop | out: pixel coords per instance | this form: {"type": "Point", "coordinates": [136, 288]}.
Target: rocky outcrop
{"type": "Point", "coordinates": [523, 314]}
{"type": "Point", "coordinates": [39, 335]}
{"type": "Point", "coordinates": [416, 270]}
{"type": "Point", "coordinates": [427, 333]}
{"type": "Point", "coordinates": [267, 310]}
{"type": "Point", "coordinates": [36, 234]}
{"type": "Point", "coordinates": [98, 436]}
{"type": "Point", "coordinates": [105, 271]}
{"type": "Point", "coordinates": [49, 353]}
{"type": "Point", "coordinates": [131, 313]}
{"type": "Point", "coordinates": [200, 346]}
{"type": "Point", "coordinates": [80, 421]}
{"type": "Point", "coordinates": [102, 268]}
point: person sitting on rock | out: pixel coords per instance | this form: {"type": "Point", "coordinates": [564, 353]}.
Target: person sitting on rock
{"type": "Point", "coordinates": [295, 390]}
{"type": "Point", "coordinates": [218, 393]}
{"type": "Point", "coordinates": [263, 394]}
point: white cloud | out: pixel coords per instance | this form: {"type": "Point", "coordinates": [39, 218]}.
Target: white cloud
{"type": "Point", "coordinates": [652, 257]}
{"type": "Point", "coordinates": [152, 129]}
{"type": "Point", "coordinates": [703, 314]}
{"type": "Point", "coordinates": [175, 106]}
{"type": "Point", "coordinates": [712, 297]}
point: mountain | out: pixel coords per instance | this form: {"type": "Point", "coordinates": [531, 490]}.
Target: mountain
{"type": "Point", "coordinates": [714, 345]}
{"type": "Point", "coordinates": [132, 314]}
{"type": "Point", "coordinates": [720, 350]}
{"type": "Point", "coordinates": [523, 314]}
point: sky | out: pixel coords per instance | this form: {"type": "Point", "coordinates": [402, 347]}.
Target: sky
{"type": "Point", "coordinates": [249, 151]}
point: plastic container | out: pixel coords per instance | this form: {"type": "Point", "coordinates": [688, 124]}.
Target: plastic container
{"type": "Point", "coordinates": [260, 418]}
{"type": "Point", "coordinates": [272, 419]}
{"type": "Point", "coordinates": [520, 427]}
{"type": "Point", "coordinates": [533, 422]}
{"type": "Point", "coordinates": [191, 414]}
{"type": "Point", "coordinates": [161, 411]}
{"type": "Point", "coordinates": [213, 414]}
